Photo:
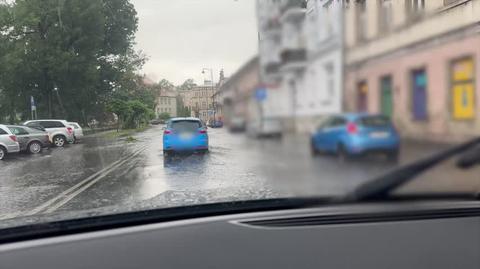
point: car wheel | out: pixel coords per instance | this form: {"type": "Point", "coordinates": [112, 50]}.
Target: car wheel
{"type": "Point", "coordinates": [59, 141]}
{"type": "Point", "coordinates": [313, 149]}
{"type": "Point", "coordinates": [342, 153]}
{"type": "Point", "coordinates": [3, 153]}
{"type": "Point", "coordinates": [35, 147]}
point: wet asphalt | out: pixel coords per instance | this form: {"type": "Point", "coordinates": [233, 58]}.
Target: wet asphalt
{"type": "Point", "coordinates": [102, 172]}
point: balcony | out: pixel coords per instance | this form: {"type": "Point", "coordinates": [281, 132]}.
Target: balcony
{"type": "Point", "coordinates": [293, 58]}
{"type": "Point", "coordinates": [293, 11]}
{"type": "Point", "coordinates": [272, 68]}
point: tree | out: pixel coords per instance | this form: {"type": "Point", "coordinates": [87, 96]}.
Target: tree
{"type": "Point", "coordinates": [182, 110]}
{"type": "Point", "coordinates": [187, 85]}
{"type": "Point", "coordinates": [121, 109]}
{"type": "Point", "coordinates": [164, 116]}
{"type": "Point", "coordinates": [73, 56]}
{"type": "Point", "coordinates": [165, 84]}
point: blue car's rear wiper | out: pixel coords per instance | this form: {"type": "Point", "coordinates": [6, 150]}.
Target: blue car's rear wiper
{"type": "Point", "coordinates": [382, 186]}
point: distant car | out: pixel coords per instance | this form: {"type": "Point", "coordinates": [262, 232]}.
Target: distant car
{"type": "Point", "coordinates": [185, 135]}
{"type": "Point", "coordinates": [8, 142]}
{"type": "Point", "coordinates": [157, 122]}
{"type": "Point", "coordinates": [216, 124]}
{"type": "Point", "coordinates": [267, 127]}
{"type": "Point", "coordinates": [77, 131]}
{"type": "Point", "coordinates": [355, 134]}
{"type": "Point", "coordinates": [31, 140]}
{"type": "Point", "coordinates": [59, 131]}
{"type": "Point", "coordinates": [237, 125]}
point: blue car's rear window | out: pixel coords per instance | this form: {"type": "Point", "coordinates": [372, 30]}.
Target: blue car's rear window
{"type": "Point", "coordinates": [185, 126]}
{"type": "Point", "coordinates": [374, 121]}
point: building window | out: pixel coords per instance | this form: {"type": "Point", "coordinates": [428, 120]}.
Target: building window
{"type": "Point", "coordinates": [330, 80]}
{"type": "Point", "coordinates": [204, 105]}
{"type": "Point", "coordinates": [386, 96]}
{"type": "Point", "coordinates": [419, 94]}
{"type": "Point", "coordinates": [361, 20]}
{"type": "Point", "coordinates": [462, 83]}
{"type": "Point", "coordinates": [385, 16]}
{"type": "Point", "coordinates": [415, 9]}
{"type": "Point", "coordinates": [169, 101]}
{"type": "Point", "coordinates": [362, 97]}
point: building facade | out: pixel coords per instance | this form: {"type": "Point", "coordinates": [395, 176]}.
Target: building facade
{"type": "Point", "coordinates": [411, 60]}
{"type": "Point", "coordinates": [200, 101]}
{"type": "Point", "coordinates": [166, 102]}
{"type": "Point", "coordinates": [301, 54]}
{"type": "Point", "coordinates": [236, 94]}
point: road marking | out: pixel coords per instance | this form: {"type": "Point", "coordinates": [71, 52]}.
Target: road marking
{"type": "Point", "coordinates": [88, 185]}
{"type": "Point", "coordinates": [102, 173]}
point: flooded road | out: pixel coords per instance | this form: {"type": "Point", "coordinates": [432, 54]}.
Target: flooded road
{"type": "Point", "coordinates": [105, 173]}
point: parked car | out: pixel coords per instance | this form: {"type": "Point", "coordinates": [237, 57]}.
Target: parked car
{"type": "Point", "coordinates": [185, 134]}
{"type": "Point", "coordinates": [59, 131]}
{"type": "Point", "coordinates": [157, 122]}
{"type": "Point", "coordinates": [237, 125]}
{"type": "Point", "coordinates": [355, 134]}
{"type": "Point", "coordinates": [216, 124]}
{"type": "Point", "coordinates": [8, 142]}
{"type": "Point", "coordinates": [31, 140]}
{"type": "Point", "coordinates": [77, 131]}
{"type": "Point", "coordinates": [268, 127]}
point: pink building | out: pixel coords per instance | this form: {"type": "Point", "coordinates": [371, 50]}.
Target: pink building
{"type": "Point", "coordinates": [428, 86]}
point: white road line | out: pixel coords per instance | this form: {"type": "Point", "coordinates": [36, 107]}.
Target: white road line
{"type": "Point", "coordinates": [75, 187]}
{"type": "Point", "coordinates": [86, 186]}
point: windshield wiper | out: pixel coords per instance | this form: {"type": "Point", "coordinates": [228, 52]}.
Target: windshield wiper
{"type": "Point", "coordinates": [382, 186]}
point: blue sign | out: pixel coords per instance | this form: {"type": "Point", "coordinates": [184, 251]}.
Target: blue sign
{"type": "Point", "coordinates": [261, 94]}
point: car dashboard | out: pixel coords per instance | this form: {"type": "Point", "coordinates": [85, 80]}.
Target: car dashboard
{"type": "Point", "coordinates": [421, 234]}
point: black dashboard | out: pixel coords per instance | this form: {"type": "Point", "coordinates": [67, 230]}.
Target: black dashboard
{"type": "Point", "coordinates": [429, 234]}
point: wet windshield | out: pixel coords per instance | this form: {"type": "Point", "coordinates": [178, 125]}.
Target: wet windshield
{"type": "Point", "coordinates": [375, 121]}
{"type": "Point", "coordinates": [146, 104]}
{"type": "Point", "coordinates": [185, 126]}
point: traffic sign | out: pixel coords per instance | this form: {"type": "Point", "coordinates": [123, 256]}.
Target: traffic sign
{"type": "Point", "coordinates": [261, 94]}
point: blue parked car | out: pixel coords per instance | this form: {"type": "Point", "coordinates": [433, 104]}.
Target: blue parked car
{"type": "Point", "coordinates": [355, 134]}
{"type": "Point", "coordinates": [185, 135]}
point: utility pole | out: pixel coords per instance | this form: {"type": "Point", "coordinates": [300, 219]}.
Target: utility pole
{"type": "Point", "coordinates": [213, 91]}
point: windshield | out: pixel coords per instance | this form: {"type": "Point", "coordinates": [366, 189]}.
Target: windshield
{"type": "Point", "coordinates": [185, 126]}
{"type": "Point", "coordinates": [374, 121]}
{"type": "Point", "coordinates": [153, 104]}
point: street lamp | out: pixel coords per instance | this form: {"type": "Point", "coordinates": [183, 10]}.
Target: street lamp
{"type": "Point", "coordinates": [213, 92]}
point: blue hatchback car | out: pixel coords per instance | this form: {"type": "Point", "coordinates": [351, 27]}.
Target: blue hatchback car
{"type": "Point", "coordinates": [185, 135]}
{"type": "Point", "coordinates": [355, 134]}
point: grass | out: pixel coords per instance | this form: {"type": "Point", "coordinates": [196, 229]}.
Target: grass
{"type": "Point", "coordinates": [128, 133]}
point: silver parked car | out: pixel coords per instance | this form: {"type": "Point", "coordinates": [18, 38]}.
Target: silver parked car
{"type": "Point", "coordinates": [59, 131]}
{"type": "Point", "coordinates": [8, 142]}
{"type": "Point", "coordinates": [77, 131]}
{"type": "Point", "coordinates": [30, 139]}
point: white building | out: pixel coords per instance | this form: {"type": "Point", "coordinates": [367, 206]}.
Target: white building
{"type": "Point", "coordinates": [322, 94]}
{"type": "Point", "coordinates": [300, 44]}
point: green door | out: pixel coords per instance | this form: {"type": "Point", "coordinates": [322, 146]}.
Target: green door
{"type": "Point", "coordinates": [386, 96]}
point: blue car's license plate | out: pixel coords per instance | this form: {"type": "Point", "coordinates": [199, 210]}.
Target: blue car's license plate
{"type": "Point", "coordinates": [379, 134]}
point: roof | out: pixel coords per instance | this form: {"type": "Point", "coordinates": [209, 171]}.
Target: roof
{"type": "Point", "coordinates": [46, 120]}
{"type": "Point", "coordinates": [356, 115]}
{"type": "Point", "coordinates": [184, 118]}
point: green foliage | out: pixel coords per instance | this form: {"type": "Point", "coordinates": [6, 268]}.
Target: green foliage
{"type": "Point", "coordinates": [187, 85]}
{"type": "Point", "coordinates": [164, 116]}
{"type": "Point", "coordinates": [74, 56]}
{"type": "Point", "coordinates": [182, 110]}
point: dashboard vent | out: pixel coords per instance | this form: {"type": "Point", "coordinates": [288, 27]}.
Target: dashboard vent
{"type": "Point", "coordinates": [366, 218]}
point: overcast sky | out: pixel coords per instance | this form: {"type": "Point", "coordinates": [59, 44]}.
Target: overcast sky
{"type": "Point", "coordinates": [181, 37]}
